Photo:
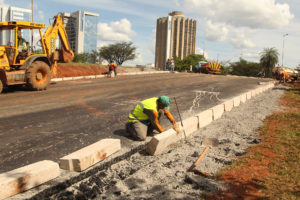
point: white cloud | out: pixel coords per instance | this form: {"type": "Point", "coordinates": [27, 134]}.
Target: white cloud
{"type": "Point", "coordinates": [243, 13]}
{"type": "Point", "coordinates": [115, 31]}
{"type": "Point", "coordinates": [2, 3]}
{"type": "Point", "coordinates": [240, 40]}
{"type": "Point", "coordinates": [41, 15]}
{"type": "Point", "coordinates": [200, 51]}
{"type": "Point", "coordinates": [215, 31]}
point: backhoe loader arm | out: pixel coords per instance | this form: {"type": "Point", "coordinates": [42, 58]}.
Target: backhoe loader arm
{"type": "Point", "coordinates": [50, 36]}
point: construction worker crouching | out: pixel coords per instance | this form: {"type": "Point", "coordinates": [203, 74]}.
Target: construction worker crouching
{"type": "Point", "coordinates": [144, 119]}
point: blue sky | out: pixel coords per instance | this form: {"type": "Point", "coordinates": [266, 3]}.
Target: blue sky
{"type": "Point", "coordinates": [226, 30]}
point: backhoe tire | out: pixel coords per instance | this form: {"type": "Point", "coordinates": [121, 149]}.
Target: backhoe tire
{"type": "Point", "coordinates": [1, 86]}
{"type": "Point", "coordinates": [38, 75]}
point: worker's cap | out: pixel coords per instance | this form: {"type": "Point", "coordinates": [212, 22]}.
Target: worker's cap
{"type": "Point", "coordinates": [165, 100]}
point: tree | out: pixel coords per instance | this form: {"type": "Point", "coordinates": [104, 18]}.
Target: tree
{"type": "Point", "coordinates": [245, 68]}
{"type": "Point", "coordinates": [268, 59]}
{"type": "Point", "coordinates": [118, 52]}
{"type": "Point", "coordinates": [81, 58]}
{"type": "Point", "coordinates": [184, 64]}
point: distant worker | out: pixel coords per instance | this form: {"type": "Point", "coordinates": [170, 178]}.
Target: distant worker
{"type": "Point", "coordinates": [144, 118]}
{"type": "Point", "coordinates": [283, 76]}
{"type": "Point", "coordinates": [114, 67]}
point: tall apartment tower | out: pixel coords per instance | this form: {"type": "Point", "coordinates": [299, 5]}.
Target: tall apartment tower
{"type": "Point", "coordinates": [175, 36]}
{"type": "Point", "coordinates": [81, 27]}
{"type": "Point", "coordinates": [9, 13]}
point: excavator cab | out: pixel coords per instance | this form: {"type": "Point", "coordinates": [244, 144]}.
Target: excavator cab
{"type": "Point", "coordinates": [18, 49]}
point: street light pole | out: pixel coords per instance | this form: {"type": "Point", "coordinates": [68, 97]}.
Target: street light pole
{"type": "Point", "coordinates": [31, 21]}
{"type": "Point", "coordinates": [283, 48]}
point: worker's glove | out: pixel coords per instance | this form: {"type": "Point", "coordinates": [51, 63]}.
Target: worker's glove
{"type": "Point", "coordinates": [176, 128]}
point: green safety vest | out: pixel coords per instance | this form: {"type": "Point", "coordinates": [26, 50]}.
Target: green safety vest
{"type": "Point", "coordinates": [138, 114]}
{"type": "Point", "coordinates": [21, 41]}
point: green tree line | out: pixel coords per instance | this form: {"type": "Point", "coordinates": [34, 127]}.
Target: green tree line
{"type": "Point", "coordinates": [268, 60]}
{"type": "Point", "coordinates": [118, 53]}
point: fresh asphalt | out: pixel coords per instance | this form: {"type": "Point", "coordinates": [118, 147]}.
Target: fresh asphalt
{"type": "Point", "coordinates": [70, 115]}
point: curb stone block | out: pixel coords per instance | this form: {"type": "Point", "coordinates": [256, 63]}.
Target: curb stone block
{"type": "Point", "coordinates": [236, 101]}
{"type": "Point", "coordinates": [27, 177]}
{"type": "Point", "coordinates": [67, 78]}
{"type": "Point", "coordinates": [243, 98]}
{"type": "Point", "coordinates": [100, 76]}
{"type": "Point", "coordinates": [253, 93]}
{"type": "Point", "coordinates": [90, 155]}
{"type": "Point", "coordinates": [248, 94]}
{"type": "Point", "coordinates": [190, 125]}
{"type": "Point", "coordinates": [228, 105]}
{"type": "Point", "coordinates": [89, 77]}
{"type": "Point", "coordinates": [218, 111]}
{"type": "Point", "coordinates": [159, 142]}
{"type": "Point", "coordinates": [77, 77]}
{"type": "Point", "coordinates": [205, 118]}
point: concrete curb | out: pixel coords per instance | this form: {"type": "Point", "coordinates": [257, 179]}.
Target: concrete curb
{"type": "Point", "coordinates": [158, 143]}
{"type": "Point", "coordinates": [104, 76]}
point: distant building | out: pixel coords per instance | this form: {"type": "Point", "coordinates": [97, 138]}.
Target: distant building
{"type": "Point", "coordinates": [81, 27]}
{"type": "Point", "coordinates": [8, 13]}
{"type": "Point", "coordinates": [175, 36]}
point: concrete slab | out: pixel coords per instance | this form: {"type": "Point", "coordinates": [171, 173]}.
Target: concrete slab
{"type": "Point", "coordinates": [228, 105]}
{"type": "Point", "coordinates": [243, 98]}
{"type": "Point", "coordinates": [159, 142]}
{"type": "Point", "coordinates": [90, 155]}
{"type": "Point", "coordinates": [248, 94]}
{"type": "Point", "coordinates": [218, 111]}
{"type": "Point", "coordinates": [236, 101]}
{"type": "Point", "coordinates": [205, 118]}
{"type": "Point", "coordinates": [27, 177]}
{"type": "Point", "coordinates": [190, 125]}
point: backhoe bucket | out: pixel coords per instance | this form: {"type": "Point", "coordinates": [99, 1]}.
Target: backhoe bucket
{"type": "Point", "coordinates": [67, 56]}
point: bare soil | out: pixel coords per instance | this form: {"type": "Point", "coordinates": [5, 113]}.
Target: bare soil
{"type": "Point", "coordinates": [72, 70]}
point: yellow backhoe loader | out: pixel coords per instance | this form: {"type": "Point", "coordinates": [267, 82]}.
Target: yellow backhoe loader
{"type": "Point", "coordinates": [20, 63]}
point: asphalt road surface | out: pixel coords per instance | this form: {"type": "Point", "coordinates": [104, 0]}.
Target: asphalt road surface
{"type": "Point", "coordinates": [48, 125]}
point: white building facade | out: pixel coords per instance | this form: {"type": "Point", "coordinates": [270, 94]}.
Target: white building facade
{"type": "Point", "coordinates": [81, 27]}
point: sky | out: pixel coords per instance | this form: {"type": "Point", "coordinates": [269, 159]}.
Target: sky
{"type": "Point", "coordinates": [227, 30]}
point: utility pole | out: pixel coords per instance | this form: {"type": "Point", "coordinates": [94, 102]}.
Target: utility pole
{"type": "Point", "coordinates": [283, 47]}
{"type": "Point", "coordinates": [31, 21]}
{"type": "Point", "coordinates": [203, 48]}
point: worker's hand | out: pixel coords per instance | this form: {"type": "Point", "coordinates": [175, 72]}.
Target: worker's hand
{"type": "Point", "coordinates": [176, 128]}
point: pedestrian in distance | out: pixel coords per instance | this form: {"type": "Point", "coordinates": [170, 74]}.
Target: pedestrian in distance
{"type": "Point", "coordinates": [168, 64]}
{"type": "Point", "coordinates": [172, 65]}
{"type": "Point", "coordinates": [112, 67]}
{"type": "Point", "coordinates": [144, 119]}
{"type": "Point", "coordinates": [191, 68]}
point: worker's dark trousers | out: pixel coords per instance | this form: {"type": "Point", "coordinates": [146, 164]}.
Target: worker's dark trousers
{"type": "Point", "coordinates": [140, 129]}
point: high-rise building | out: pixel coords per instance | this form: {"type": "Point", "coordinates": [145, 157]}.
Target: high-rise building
{"type": "Point", "coordinates": [81, 27]}
{"type": "Point", "coordinates": [14, 14]}
{"type": "Point", "coordinates": [175, 36]}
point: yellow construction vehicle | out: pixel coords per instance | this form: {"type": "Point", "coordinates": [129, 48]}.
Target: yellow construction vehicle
{"type": "Point", "coordinates": [20, 63]}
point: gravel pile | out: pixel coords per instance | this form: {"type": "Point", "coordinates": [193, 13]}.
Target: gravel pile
{"type": "Point", "coordinates": [165, 176]}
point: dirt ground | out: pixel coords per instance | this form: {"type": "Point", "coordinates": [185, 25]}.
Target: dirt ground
{"type": "Point", "coordinates": [71, 70]}
{"type": "Point", "coordinates": [165, 176]}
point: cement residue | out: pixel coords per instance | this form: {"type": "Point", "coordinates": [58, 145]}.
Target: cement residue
{"type": "Point", "coordinates": [165, 176]}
